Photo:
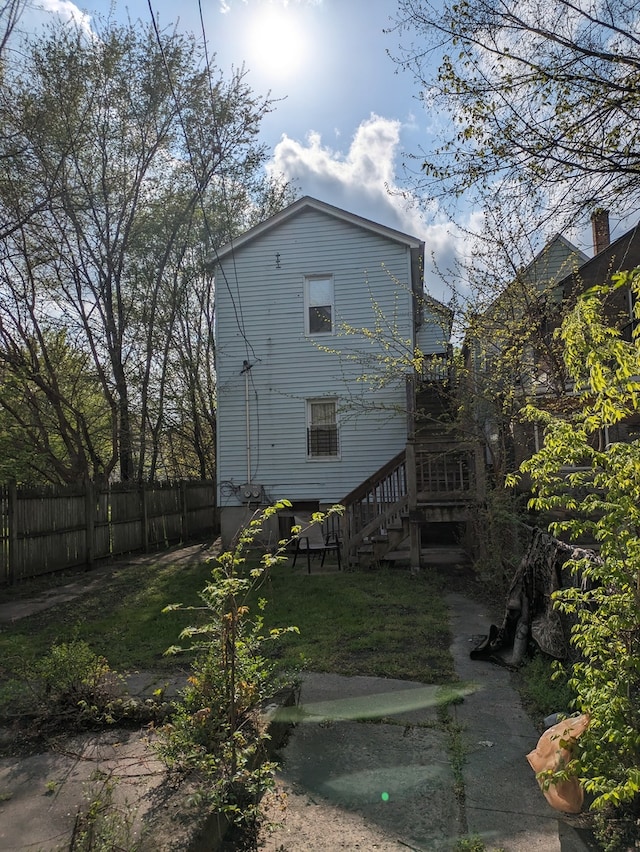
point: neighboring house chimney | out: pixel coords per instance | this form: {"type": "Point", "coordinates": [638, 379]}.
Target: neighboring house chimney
{"type": "Point", "coordinates": [600, 227]}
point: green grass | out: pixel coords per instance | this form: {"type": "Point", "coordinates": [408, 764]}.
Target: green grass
{"type": "Point", "coordinates": [384, 623]}
{"type": "Point", "coordinates": [542, 694]}
{"type": "Point", "coordinates": [381, 623]}
{"type": "Point", "coordinates": [122, 619]}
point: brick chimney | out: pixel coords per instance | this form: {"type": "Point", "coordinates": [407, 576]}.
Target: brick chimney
{"type": "Point", "coordinates": [600, 229]}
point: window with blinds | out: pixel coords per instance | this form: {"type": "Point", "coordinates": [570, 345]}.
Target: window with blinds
{"type": "Point", "coordinates": [322, 429]}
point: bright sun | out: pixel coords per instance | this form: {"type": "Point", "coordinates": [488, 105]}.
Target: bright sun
{"type": "Point", "coordinates": [277, 43]}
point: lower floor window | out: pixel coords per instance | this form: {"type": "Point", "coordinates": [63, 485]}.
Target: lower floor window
{"type": "Point", "coordinates": [322, 429]}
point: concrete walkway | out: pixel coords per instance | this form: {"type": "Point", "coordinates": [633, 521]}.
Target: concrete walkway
{"type": "Point", "coordinates": [503, 803]}
{"type": "Point", "coordinates": [370, 765]}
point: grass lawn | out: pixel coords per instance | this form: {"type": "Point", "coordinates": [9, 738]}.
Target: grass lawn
{"type": "Point", "coordinates": [385, 623]}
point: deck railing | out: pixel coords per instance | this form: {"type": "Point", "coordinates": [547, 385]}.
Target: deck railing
{"type": "Point", "coordinates": [442, 473]}
{"type": "Point", "coordinates": [439, 368]}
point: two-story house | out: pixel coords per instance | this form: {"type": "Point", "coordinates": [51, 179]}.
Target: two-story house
{"type": "Point", "coordinates": [319, 317]}
{"type": "Point", "coordinates": [515, 351]}
{"type": "Point", "coordinates": [511, 355]}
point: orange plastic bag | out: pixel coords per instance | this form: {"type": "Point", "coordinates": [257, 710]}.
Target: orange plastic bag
{"type": "Point", "coordinates": [554, 752]}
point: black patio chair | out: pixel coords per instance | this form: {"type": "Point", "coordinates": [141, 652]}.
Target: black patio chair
{"type": "Point", "coordinates": [312, 539]}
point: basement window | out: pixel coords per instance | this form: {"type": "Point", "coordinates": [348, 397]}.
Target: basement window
{"type": "Point", "coordinates": [322, 429]}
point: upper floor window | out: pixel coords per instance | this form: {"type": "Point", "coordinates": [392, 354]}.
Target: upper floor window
{"type": "Point", "coordinates": [319, 304]}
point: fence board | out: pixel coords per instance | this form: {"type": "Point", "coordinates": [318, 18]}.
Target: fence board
{"type": "Point", "coordinates": [5, 576]}
{"type": "Point", "coordinates": [50, 529]}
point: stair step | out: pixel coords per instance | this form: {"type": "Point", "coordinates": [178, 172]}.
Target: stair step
{"type": "Point", "coordinates": [444, 555]}
{"type": "Point", "coordinates": [431, 555]}
{"type": "Point", "coordinates": [397, 556]}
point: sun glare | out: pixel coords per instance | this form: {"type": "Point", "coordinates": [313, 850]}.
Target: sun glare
{"type": "Point", "coordinates": [277, 43]}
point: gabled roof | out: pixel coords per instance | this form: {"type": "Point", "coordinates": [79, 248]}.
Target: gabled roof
{"type": "Point", "coordinates": [557, 259]}
{"type": "Point", "coordinates": [308, 203]}
{"type": "Point", "coordinates": [622, 254]}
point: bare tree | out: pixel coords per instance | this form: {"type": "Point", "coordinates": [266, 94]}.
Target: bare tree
{"type": "Point", "coordinates": [10, 12]}
{"type": "Point", "coordinates": [114, 156]}
{"type": "Point", "coordinates": [542, 100]}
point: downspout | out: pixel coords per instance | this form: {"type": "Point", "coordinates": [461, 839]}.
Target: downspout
{"type": "Point", "coordinates": [246, 367]}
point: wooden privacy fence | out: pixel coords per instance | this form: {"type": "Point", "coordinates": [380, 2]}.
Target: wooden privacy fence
{"type": "Point", "coordinates": [46, 530]}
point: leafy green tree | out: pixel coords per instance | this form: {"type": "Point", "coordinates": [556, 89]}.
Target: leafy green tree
{"type": "Point", "coordinates": [541, 101]}
{"type": "Point", "coordinates": [593, 488]}
{"type": "Point", "coordinates": [54, 425]}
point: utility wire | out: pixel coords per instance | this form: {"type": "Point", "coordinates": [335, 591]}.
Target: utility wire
{"type": "Point", "coordinates": [225, 198]}
{"type": "Point", "coordinates": [237, 308]}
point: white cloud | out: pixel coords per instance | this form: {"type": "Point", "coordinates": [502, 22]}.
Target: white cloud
{"type": "Point", "coordinates": [363, 181]}
{"type": "Point", "coordinates": [38, 15]}
{"type": "Point", "coordinates": [68, 11]}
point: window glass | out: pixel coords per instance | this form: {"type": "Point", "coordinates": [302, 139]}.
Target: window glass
{"type": "Point", "coordinates": [322, 431]}
{"type": "Point", "coordinates": [319, 297]}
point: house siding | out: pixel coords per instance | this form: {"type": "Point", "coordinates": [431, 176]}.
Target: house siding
{"type": "Point", "coordinates": [260, 318]}
{"type": "Point", "coordinates": [432, 337]}
{"type": "Point", "coordinates": [556, 260]}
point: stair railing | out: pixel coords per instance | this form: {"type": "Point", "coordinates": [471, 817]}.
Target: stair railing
{"type": "Point", "coordinates": [374, 505]}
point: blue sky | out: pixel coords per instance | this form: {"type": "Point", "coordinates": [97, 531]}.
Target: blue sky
{"type": "Point", "coordinates": [344, 116]}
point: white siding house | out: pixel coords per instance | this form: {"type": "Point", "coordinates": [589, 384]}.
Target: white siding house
{"type": "Point", "coordinates": [301, 415]}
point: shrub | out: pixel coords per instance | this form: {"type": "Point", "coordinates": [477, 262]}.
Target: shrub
{"type": "Point", "coordinates": [595, 490]}
{"type": "Point", "coordinates": [216, 735]}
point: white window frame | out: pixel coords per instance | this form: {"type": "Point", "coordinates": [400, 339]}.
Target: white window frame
{"type": "Point", "coordinates": [309, 303]}
{"type": "Point", "coordinates": [322, 456]}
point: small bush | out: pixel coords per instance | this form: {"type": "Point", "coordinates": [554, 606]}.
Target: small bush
{"type": "Point", "coordinates": [65, 682]}
{"type": "Point", "coordinates": [104, 825]}
{"type": "Point", "coordinates": [216, 735]}
{"type": "Point", "coordinates": [71, 673]}
{"type": "Point", "coordinates": [70, 688]}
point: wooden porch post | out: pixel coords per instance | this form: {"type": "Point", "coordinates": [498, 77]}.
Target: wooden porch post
{"type": "Point", "coordinates": [414, 519]}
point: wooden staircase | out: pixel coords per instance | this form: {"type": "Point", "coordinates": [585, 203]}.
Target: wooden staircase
{"type": "Point", "coordinates": [374, 509]}
{"type": "Point", "coordinates": [432, 481]}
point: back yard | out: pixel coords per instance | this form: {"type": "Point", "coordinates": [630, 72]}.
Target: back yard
{"type": "Point", "coordinates": [376, 623]}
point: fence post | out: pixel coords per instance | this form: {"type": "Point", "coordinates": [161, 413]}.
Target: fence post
{"type": "Point", "coordinates": [144, 520]}
{"type": "Point", "coordinates": [90, 522]}
{"type": "Point", "coordinates": [184, 520]}
{"type": "Point", "coordinates": [12, 562]}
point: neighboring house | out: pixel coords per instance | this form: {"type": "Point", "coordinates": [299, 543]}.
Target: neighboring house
{"type": "Point", "coordinates": [609, 258]}
{"type": "Point", "coordinates": [318, 313]}
{"type": "Point", "coordinates": [531, 309]}
{"type": "Point", "coordinates": [504, 349]}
